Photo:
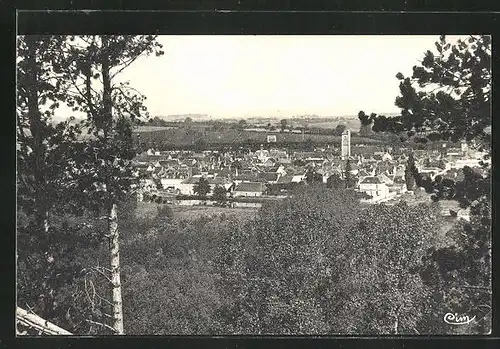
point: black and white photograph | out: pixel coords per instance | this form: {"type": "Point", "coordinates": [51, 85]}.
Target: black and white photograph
{"type": "Point", "coordinates": [255, 185]}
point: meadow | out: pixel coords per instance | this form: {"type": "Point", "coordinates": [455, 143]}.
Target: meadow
{"type": "Point", "coordinates": [149, 210]}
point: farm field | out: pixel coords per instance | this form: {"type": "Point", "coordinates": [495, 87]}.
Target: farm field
{"type": "Point", "coordinates": [186, 137]}
{"type": "Point", "coordinates": [352, 124]}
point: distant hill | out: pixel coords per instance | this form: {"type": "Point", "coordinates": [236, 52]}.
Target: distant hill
{"type": "Point", "coordinates": [182, 117]}
{"type": "Point", "coordinates": [206, 117]}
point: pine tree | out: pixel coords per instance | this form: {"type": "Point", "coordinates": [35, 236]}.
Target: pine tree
{"type": "Point", "coordinates": [448, 96]}
{"type": "Point", "coordinates": [43, 181]}
{"type": "Point", "coordinates": [103, 163]}
{"type": "Point", "coordinates": [41, 143]}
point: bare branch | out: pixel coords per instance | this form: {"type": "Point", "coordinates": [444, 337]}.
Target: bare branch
{"type": "Point", "coordinates": [101, 324]}
{"type": "Point", "coordinates": [482, 288]}
{"type": "Point", "coordinates": [93, 294]}
{"type": "Point", "coordinates": [103, 299]}
{"type": "Point", "coordinates": [87, 293]}
{"type": "Point", "coordinates": [100, 271]}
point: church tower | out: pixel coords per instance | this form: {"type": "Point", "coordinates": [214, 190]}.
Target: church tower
{"type": "Point", "coordinates": [346, 144]}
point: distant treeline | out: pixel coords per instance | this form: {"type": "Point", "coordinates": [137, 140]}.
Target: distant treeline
{"type": "Point", "coordinates": [319, 126]}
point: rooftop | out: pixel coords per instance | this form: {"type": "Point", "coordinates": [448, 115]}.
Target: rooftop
{"type": "Point", "coordinates": [191, 180]}
{"type": "Point", "coordinates": [372, 180]}
{"type": "Point", "coordinates": [218, 181]}
{"type": "Point", "coordinates": [251, 187]}
{"type": "Point", "coordinates": [269, 176]}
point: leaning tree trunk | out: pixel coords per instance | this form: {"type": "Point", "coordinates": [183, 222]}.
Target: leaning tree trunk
{"type": "Point", "coordinates": [114, 247]}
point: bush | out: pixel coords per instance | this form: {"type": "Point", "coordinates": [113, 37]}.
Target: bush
{"type": "Point", "coordinates": [165, 211]}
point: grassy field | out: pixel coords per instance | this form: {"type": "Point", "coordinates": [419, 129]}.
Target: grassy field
{"type": "Point", "coordinates": [193, 212]}
{"type": "Point", "coordinates": [150, 210]}
{"type": "Point", "coordinates": [184, 137]}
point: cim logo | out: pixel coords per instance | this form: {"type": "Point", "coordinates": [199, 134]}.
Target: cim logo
{"type": "Point", "coordinates": [456, 319]}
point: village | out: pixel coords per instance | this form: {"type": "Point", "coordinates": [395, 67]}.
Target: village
{"type": "Point", "coordinates": [234, 186]}
{"type": "Point", "coordinates": [271, 172]}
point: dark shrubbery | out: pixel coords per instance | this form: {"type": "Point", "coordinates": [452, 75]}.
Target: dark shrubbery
{"type": "Point", "coordinates": [315, 263]}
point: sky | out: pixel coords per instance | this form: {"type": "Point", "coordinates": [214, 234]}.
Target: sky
{"type": "Point", "coordinates": [243, 76]}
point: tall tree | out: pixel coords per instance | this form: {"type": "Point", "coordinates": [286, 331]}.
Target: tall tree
{"type": "Point", "coordinates": [339, 130]}
{"type": "Point", "coordinates": [202, 188]}
{"type": "Point", "coordinates": [103, 165]}
{"type": "Point", "coordinates": [283, 124]}
{"type": "Point", "coordinates": [366, 122]}
{"type": "Point", "coordinates": [412, 177]}
{"type": "Point", "coordinates": [40, 90]}
{"type": "Point", "coordinates": [448, 95]}
{"type": "Point", "coordinates": [43, 181]}
{"type": "Point", "coordinates": [220, 195]}
{"type": "Point", "coordinates": [348, 178]}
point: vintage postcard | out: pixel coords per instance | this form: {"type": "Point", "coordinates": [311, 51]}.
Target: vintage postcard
{"type": "Point", "coordinates": [253, 185]}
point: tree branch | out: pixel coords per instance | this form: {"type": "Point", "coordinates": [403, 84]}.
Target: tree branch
{"type": "Point", "coordinates": [481, 288]}
{"type": "Point", "coordinates": [126, 64]}
{"type": "Point", "coordinates": [101, 324]}
{"type": "Point", "coordinates": [87, 293]}
{"type": "Point", "coordinates": [95, 269]}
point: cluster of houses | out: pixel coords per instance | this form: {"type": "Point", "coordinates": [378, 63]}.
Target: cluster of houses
{"type": "Point", "coordinates": [380, 174]}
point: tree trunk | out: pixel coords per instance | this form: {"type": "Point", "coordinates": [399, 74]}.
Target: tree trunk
{"type": "Point", "coordinates": [88, 89]}
{"type": "Point", "coordinates": [115, 269]}
{"type": "Point", "coordinates": [107, 101]}
{"type": "Point", "coordinates": [107, 118]}
{"type": "Point", "coordinates": [32, 321]}
{"type": "Point", "coordinates": [37, 132]}
{"type": "Point", "coordinates": [396, 323]}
